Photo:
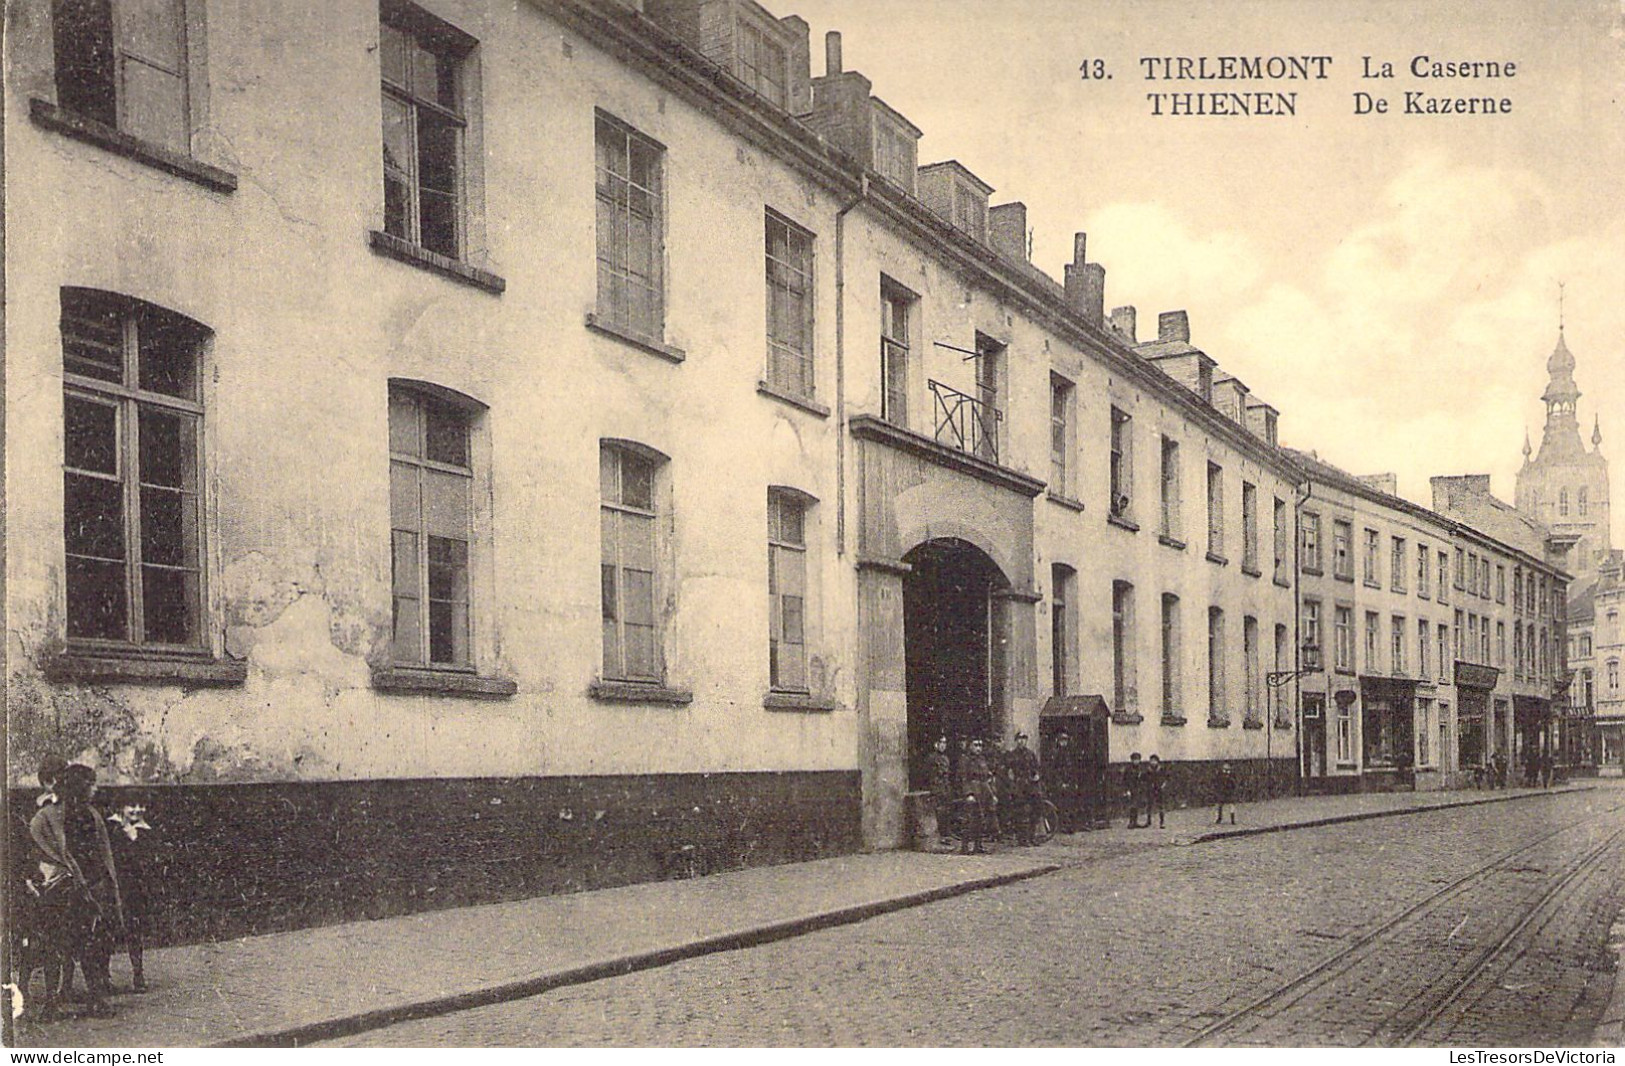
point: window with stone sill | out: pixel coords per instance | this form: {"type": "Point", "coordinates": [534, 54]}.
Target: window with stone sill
{"type": "Point", "coordinates": [421, 62]}
{"type": "Point", "coordinates": [787, 514]}
{"type": "Point", "coordinates": [789, 307]}
{"type": "Point", "coordinates": [123, 63]}
{"type": "Point", "coordinates": [630, 488]}
{"type": "Point", "coordinates": [132, 506]}
{"type": "Point", "coordinates": [431, 491]}
{"type": "Point", "coordinates": [631, 246]}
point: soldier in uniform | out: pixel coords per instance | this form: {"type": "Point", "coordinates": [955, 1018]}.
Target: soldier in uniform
{"type": "Point", "coordinates": [1061, 781]}
{"type": "Point", "coordinates": [1134, 783]}
{"type": "Point", "coordinates": [976, 791]}
{"type": "Point", "coordinates": [1156, 777]}
{"type": "Point", "coordinates": [942, 789]}
{"type": "Point", "coordinates": [1025, 787]}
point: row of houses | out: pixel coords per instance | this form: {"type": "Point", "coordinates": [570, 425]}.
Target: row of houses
{"type": "Point", "coordinates": [336, 334]}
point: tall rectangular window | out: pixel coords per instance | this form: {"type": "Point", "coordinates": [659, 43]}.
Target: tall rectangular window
{"type": "Point", "coordinates": [631, 240]}
{"type": "Point", "coordinates": [1373, 643]}
{"type": "Point", "coordinates": [1282, 665]}
{"type": "Point", "coordinates": [123, 64]}
{"type": "Point", "coordinates": [989, 375]}
{"type": "Point", "coordinates": [1400, 638]}
{"type": "Point", "coordinates": [787, 591]}
{"type": "Point", "coordinates": [1060, 435]}
{"type": "Point", "coordinates": [1345, 733]}
{"type": "Point", "coordinates": [1500, 644]}
{"type": "Point", "coordinates": [1254, 711]}
{"type": "Point", "coordinates": [1500, 583]}
{"type": "Point", "coordinates": [1343, 643]}
{"type": "Point", "coordinates": [1249, 526]}
{"type": "Point", "coordinates": [1061, 580]}
{"type": "Point", "coordinates": [1461, 567]}
{"type": "Point", "coordinates": [1397, 576]}
{"type": "Point", "coordinates": [896, 307]}
{"type": "Point", "coordinates": [629, 529]}
{"type": "Point", "coordinates": [1171, 666]}
{"type": "Point", "coordinates": [420, 59]}
{"type": "Point", "coordinates": [1311, 623]}
{"type": "Point", "coordinates": [1122, 476]}
{"type": "Point", "coordinates": [1215, 666]}
{"type": "Point", "coordinates": [1343, 550]}
{"type": "Point", "coordinates": [1215, 509]}
{"type": "Point", "coordinates": [1443, 596]}
{"type": "Point", "coordinates": [789, 306]}
{"type": "Point", "coordinates": [1282, 540]}
{"type": "Point", "coordinates": [1123, 685]}
{"type": "Point", "coordinates": [1424, 569]}
{"type": "Point", "coordinates": [1311, 543]}
{"type": "Point", "coordinates": [1445, 666]}
{"type": "Point", "coordinates": [1372, 574]}
{"type": "Point", "coordinates": [1424, 638]}
{"type": "Point", "coordinates": [132, 427]}
{"type": "Point", "coordinates": [1170, 488]}
{"type": "Point", "coordinates": [1472, 638]}
{"type": "Point", "coordinates": [431, 482]}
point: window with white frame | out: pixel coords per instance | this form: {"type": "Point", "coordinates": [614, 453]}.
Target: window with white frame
{"type": "Point", "coordinates": [431, 479]}
{"type": "Point", "coordinates": [1500, 644]}
{"type": "Point", "coordinates": [1445, 666]}
{"type": "Point", "coordinates": [1215, 509]}
{"type": "Point", "coordinates": [896, 309]}
{"type": "Point", "coordinates": [1216, 712]}
{"type": "Point", "coordinates": [1424, 638]}
{"type": "Point", "coordinates": [1123, 643]}
{"type": "Point", "coordinates": [1254, 710]}
{"type": "Point", "coordinates": [1343, 639]}
{"type": "Point", "coordinates": [132, 446]}
{"type": "Point", "coordinates": [1345, 733]}
{"type": "Point", "coordinates": [1424, 570]}
{"type": "Point", "coordinates": [628, 477]}
{"type": "Point", "coordinates": [1062, 582]}
{"type": "Point", "coordinates": [1442, 587]}
{"type": "Point", "coordinates": [1170, 488]}
{"type": "Point", "coordinates": [1371, 573]}
{"type": "Point", "coordinates": [1249, 526]}
{"type": "Point", "coordinates": [1172, 669]}
{"type": "Point", "coordinates": [124, 65]}
{"type": "Point", "coordinates": [631, 239]}
{"type": "Point", "coordinates": [789, 306]}
{"type": "Point", "coordinates": [1310, 619]}
{"type": "Point", "coordinates": [1342, 549]}
{"type": "Point", "coordinates": [1061, 393]}
{"type": "Point", "coordinates": [1397, 566]}
{"type": "Point", "coordinates": [787, 590]}
{"type": "Point", "coordinates": [1311, 542]}
{"type": "Point", "coordinates": [1373, 643]}
{"type": "Point", "coordinates": [1397, 649]}
{"type": "Point", "coordinates": [421, 61]}
{"type": "Point", "coordinates": [1121, 464]}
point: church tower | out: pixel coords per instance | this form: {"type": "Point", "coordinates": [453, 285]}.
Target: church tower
{"type": "Point", "coordinates": [1564, 485]}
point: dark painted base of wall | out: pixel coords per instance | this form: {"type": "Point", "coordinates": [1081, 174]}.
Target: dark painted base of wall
{"type": "Point", "coordinates": [237, 860]}
{"type": "Point", "coordinates": [1195, 783]}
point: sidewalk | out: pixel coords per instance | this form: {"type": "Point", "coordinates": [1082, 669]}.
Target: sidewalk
{"type": "Point", "coordinates": [298, 987]}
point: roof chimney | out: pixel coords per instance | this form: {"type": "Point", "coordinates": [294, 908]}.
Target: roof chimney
{"type": "Point", "coordinates": [1123, 322]}
{"type": "Point", "coordinates": [832, 53]}
{"type": "Point", "coordinates": [1174, 326]}
{"type": "Point", "coordinates": [1085, 282]}
{"type": "Point", "coordinates": [1007, 230]}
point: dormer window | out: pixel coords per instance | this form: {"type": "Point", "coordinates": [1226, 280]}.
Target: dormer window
{"type": "Point", "coordinates": [970, 212]}
{"type": "Point", "coordinates": [763, 63]}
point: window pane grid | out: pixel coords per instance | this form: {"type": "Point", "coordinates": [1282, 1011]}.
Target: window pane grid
{"type": "Point", "coordinates": [431, 517]}
{"type": "Point", "coordinates": [132, 536]}
{"type": "Point", "coordinates": [630, 237]}
{"type": "Point", "coordinates": [422, 141]}
{"type": "Point", "coordinates": [789, 307]}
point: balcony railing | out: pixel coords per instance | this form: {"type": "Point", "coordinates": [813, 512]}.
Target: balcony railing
{"type": "Point", "coordinates": [966, 423]}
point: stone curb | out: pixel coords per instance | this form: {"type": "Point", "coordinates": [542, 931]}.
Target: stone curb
{"type": "Point", "coordinates": [1361, 816]}
{"type": "Point", "coordinates": [334, 1028]}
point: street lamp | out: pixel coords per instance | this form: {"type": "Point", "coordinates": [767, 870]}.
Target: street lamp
{"type": "Point", "coordinates": [1308, 663]}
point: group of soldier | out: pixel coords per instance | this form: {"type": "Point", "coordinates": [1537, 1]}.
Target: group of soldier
{"type": "Point", "coordinates": [982, 790]}
{"type": "Point", "coordinates": [988, 791]}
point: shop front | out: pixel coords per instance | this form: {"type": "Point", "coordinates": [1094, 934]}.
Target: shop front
{"type": "Point", "coordinates": [1388, 732]}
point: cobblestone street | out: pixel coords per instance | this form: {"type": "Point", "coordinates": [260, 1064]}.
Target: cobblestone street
{"type": "Point", "coordinates": [1164, 945]}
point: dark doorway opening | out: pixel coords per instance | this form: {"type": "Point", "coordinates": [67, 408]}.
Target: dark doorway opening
{"type": "Point", "coordinates": [953, 637]}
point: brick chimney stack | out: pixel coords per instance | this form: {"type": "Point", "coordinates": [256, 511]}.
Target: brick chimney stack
{"type": "Point", "coordinates": [1007, 229]}
{"type": "Point", "coordinates": [832, 53]}
{"type": "Point", "coordinates": [1085, 282]}
{"type": "Point", "coordinates": [1174, 326]}
{"type": "Point", "coordinates": [1123, 321]}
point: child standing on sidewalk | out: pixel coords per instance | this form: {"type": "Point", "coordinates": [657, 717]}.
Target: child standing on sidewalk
{"type": "Point", "coordinates": [1227, 793]}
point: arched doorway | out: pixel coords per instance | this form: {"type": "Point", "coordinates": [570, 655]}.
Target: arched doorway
{"type": "Point", "coordinates": [954, 632]}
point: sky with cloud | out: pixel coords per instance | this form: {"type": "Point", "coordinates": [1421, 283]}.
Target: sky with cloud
{"type": "Point", "coordinates": [1389, 281]}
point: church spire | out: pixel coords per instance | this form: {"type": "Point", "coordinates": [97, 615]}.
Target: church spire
{"type": "Point", "coordinates": [1596, 432]}
{"type": "Point", "coordinates": [1526, 448]}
